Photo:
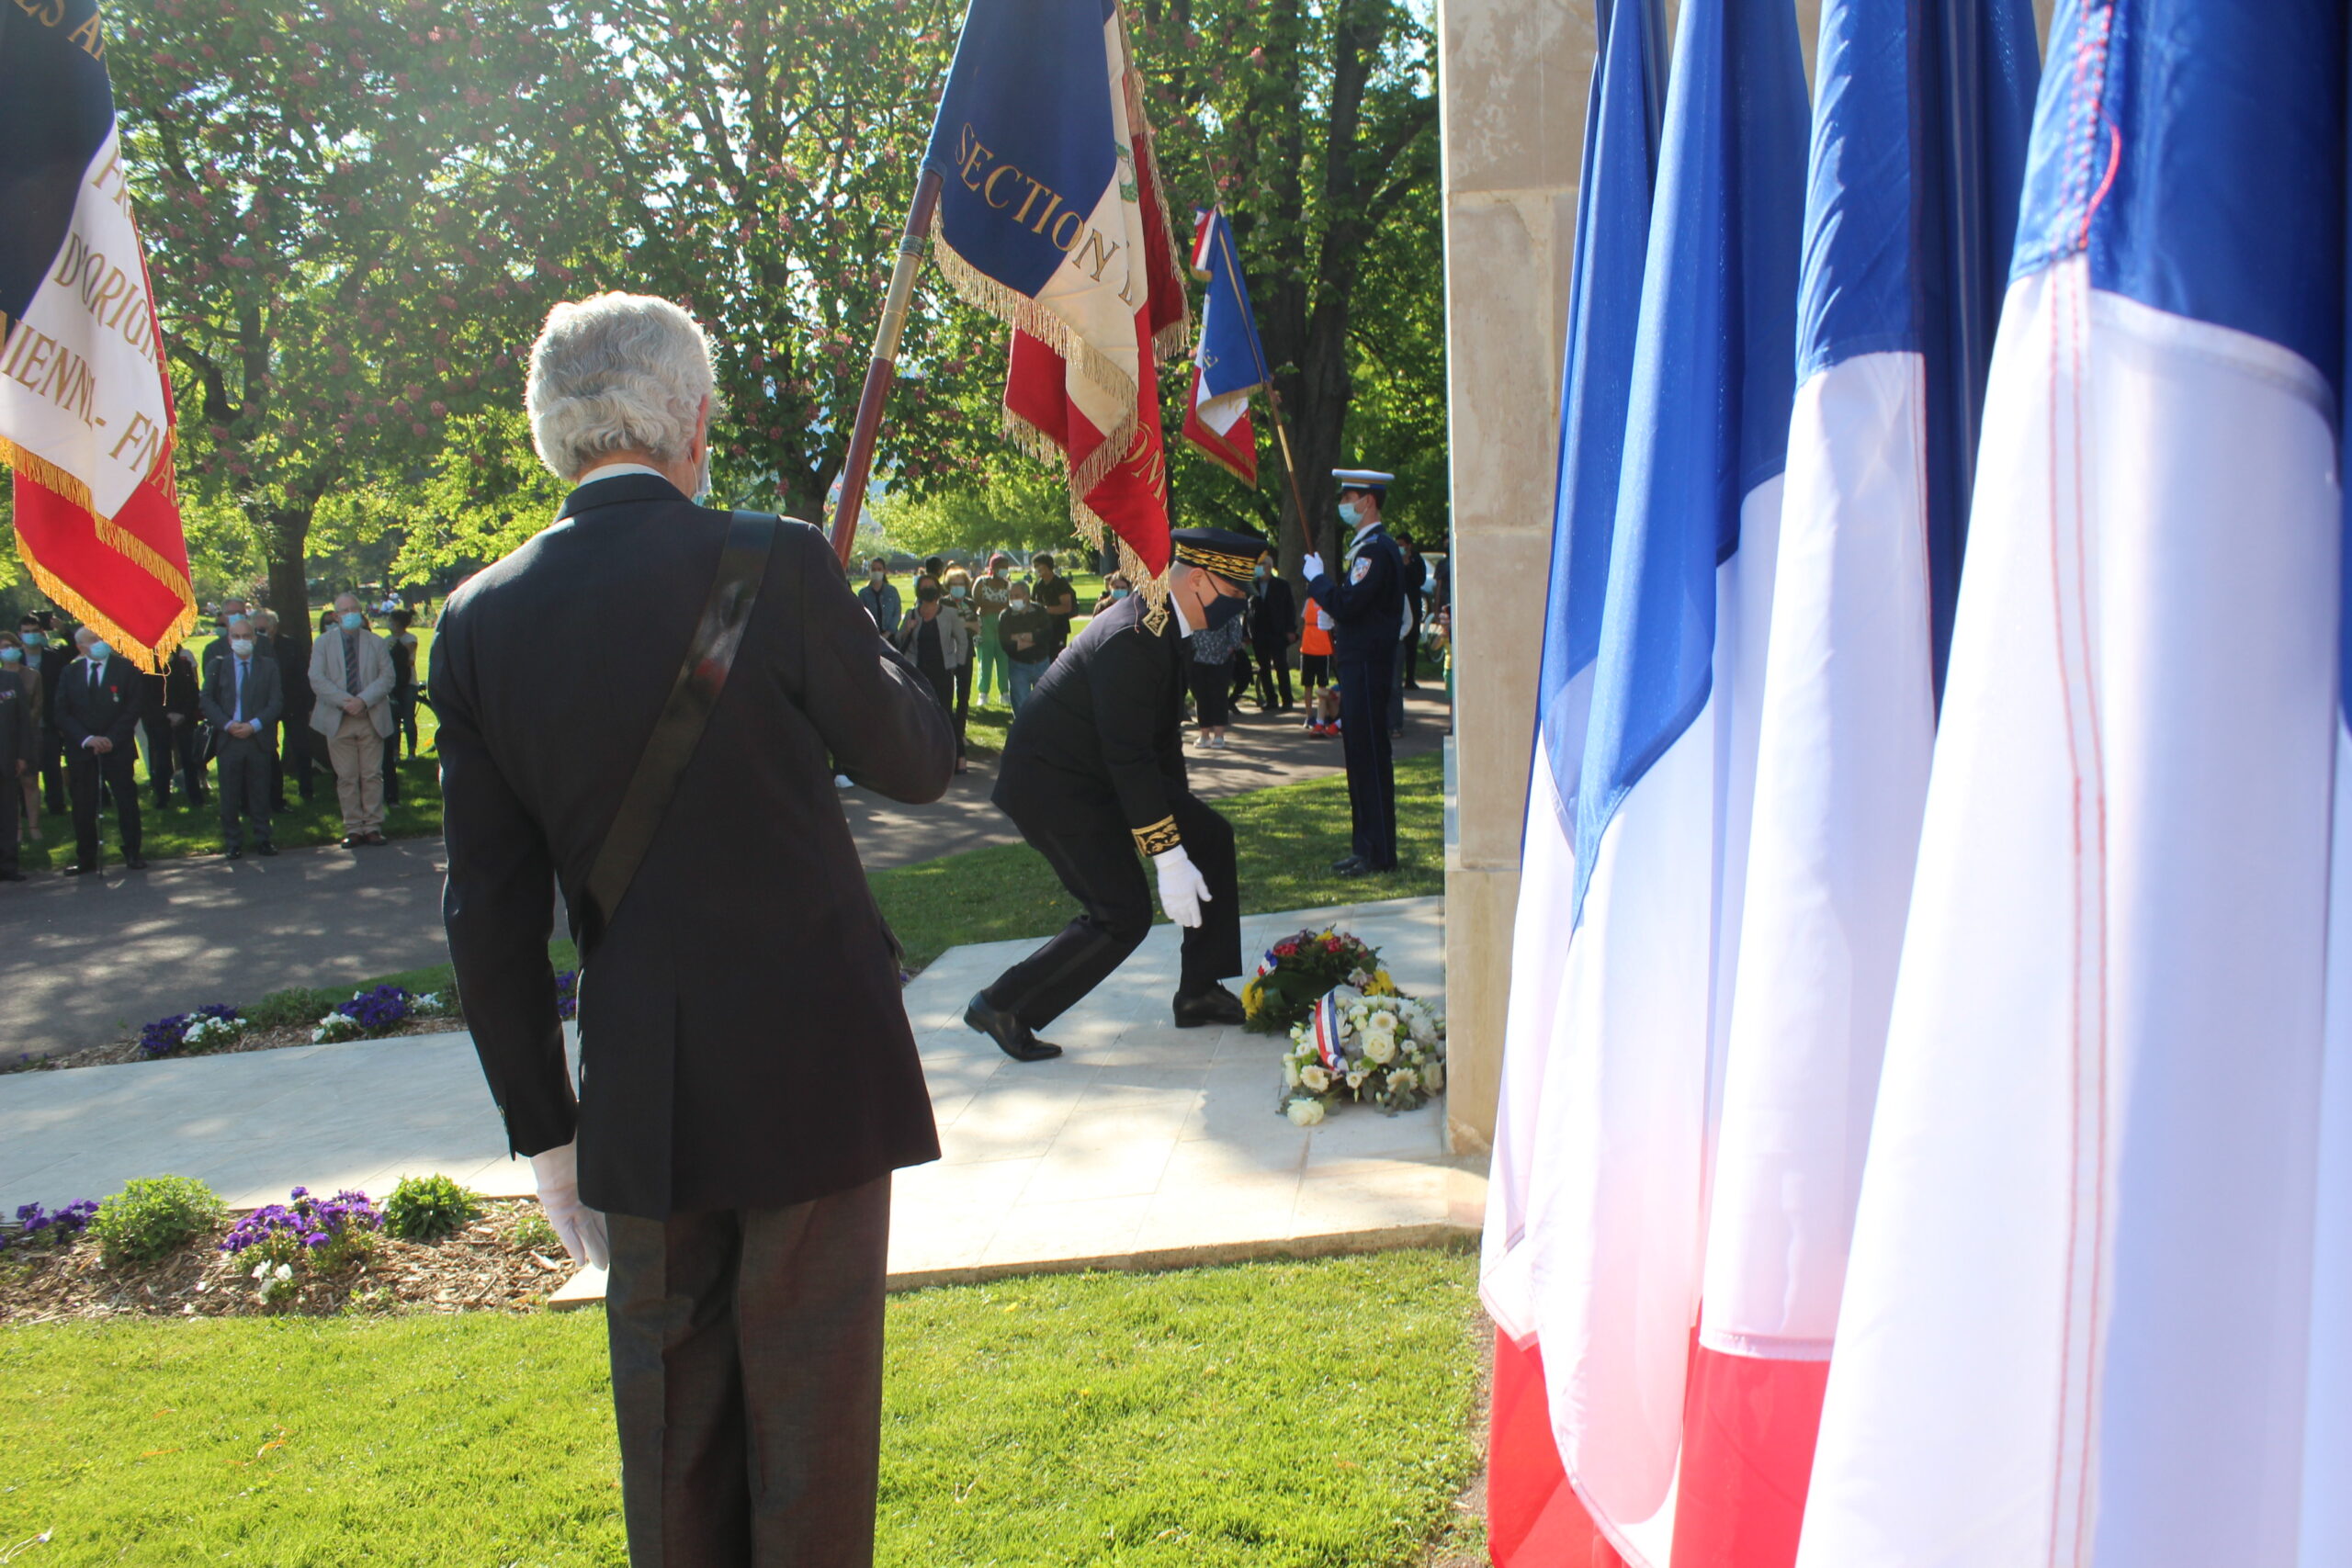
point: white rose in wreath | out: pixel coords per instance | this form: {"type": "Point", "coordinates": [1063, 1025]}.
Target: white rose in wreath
{"type": "Point", "coordinates": [1304, 1113]}
{"type": "Point", "coordinates": [1317, 1078]}
{"type": "Point", "coordinates": [1433, 1078]}
{"type": "Point", "coordinates": [1379, 1049]}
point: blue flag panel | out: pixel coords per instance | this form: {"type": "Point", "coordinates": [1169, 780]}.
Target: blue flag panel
{"type": "Point", "coordinates": [1230, 357]}
{"type": "Point", "coordinates": [1714, 381]}
{"type": "Point", "coordinates": [1605, 311]}
{"type": "Point", "coordinates": [1023, 142]}
{"type": "Point", "coordinates": [55, 110]}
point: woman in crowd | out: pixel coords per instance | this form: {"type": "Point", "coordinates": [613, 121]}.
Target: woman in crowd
{"type": "Point", "coordinates": [1211, 653]}
{"type": "Point", "coordinates": [1115, 587]}
{"type": "Point", "coordinates": [957, 582]}
{"type": "Point", "coordinates": [935, 639]}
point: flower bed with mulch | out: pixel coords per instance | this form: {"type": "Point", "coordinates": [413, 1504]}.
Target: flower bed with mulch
{"type": "Point", "coordinates": [508, 1260]}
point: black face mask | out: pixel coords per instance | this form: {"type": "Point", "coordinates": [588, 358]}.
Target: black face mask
{"type": "Point", "coordinates": [1222, 610]}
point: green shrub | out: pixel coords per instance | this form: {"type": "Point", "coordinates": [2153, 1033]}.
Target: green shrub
{"type": "Point", "coordinates": [153, 1214]}
{"type": "Point", "coordinates": [303, 1005]}
{"type": "Point", "coordinates": [427, 1208]}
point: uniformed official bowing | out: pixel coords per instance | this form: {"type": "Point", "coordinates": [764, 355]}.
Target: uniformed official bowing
{"type": "Point", "coordinates": [1366, 606]}
{"type": "Point", "coordinates": [1093, 776]}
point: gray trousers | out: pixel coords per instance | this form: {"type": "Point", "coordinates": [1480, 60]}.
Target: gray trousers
{"type": "Point", "coordinates": [747, 1381]}
{"type": "Point", "coordinates": [244, 784]}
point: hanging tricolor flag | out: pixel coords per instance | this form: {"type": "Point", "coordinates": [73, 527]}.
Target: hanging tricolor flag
{"type": "Point", "coordinates": [2079, 1323]}
{"type": "Point", "coordinates": [1618, 1202]}
{"type": "Point", "coordinates": [1921, 115]}
{"type": "Point", "coordinates": [1534, 1519]}
{"type": "Point", "coordinates": [86, 404]}
{"type": "Point", "coordinates": [1051, 218]}
{"type": "Point", "coordinates": [1228, 362]}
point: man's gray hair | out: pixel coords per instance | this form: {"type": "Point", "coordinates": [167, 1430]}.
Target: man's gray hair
{"type": "Point", "coordinates": [616, 373]}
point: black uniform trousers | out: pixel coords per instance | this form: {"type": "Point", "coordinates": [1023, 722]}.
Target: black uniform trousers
{"type": "Point", "coordinates": [85, 769]}
{"type": "Point", "coordinates": [1273, 666]}
{"type": "Point", "coordinates": [171, 750]}
{"type": "Point", "coordinates": [245, 767]}
{"type": "Point", "coordinates": [49, 756]}
{"type": "Point", "coordinates": [1092, 851]}
{"type": "Point", "coordinates": [12, 807]}
{"type": "Point", "coordinates": [747, 1381]}
{"type": "Point", "coordinates": [1365, 689]}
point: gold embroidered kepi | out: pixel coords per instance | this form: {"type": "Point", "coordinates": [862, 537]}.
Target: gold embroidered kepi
{"type": "Point", "coordinates": [1227, 552]}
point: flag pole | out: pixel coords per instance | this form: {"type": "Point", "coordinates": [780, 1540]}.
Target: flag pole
{"type": "Point", "coordinates": [1266, 377]}
{"type": "Point", "coordinates": [884, 367]}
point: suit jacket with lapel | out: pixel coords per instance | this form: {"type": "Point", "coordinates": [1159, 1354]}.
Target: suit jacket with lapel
{"type": "Point", "coordinates": [111, 708]}
{"type": "Point", "coordinates": [265, 698]}
{"type": "Point", "coordinates": [743, 1040]}
{"type": "Point", "coordinates": [327, 685]}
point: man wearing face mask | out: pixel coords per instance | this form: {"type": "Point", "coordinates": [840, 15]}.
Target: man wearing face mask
{"type": "Point", "coordinates": [351, 677]}
{"type": "Point", "coordinates": [241, 699]}
{"type": "Point", "coordinates": [1093, 776]}
{"type": "Point", "coordinates": [99, 707]}
{"type": "Point", "coordinates": [1025, 635]}
{"type": "Point", "coordinates": [881, 600]}
{"type": "Point", "coordinates": [1366, 604]}
{"type": "Point", "coordinates": [49, 653]}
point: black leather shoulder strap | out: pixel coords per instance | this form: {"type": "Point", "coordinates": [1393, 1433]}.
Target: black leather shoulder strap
{"type": "Point", "coordinates": [743, 563]}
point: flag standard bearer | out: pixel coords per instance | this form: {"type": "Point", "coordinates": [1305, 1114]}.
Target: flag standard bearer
{"type": "Point", "coordinates": [1366, 605]}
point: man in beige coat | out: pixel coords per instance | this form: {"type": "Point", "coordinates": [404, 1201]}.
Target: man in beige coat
{"type": "Point", "coordinates": [351, 674]}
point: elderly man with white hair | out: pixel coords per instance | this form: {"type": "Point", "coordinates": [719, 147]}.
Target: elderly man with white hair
{"type": "Point", "coordinates": [747, 1079]}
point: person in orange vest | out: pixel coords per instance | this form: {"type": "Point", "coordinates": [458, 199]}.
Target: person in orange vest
{"type": "Point", "coordinates": [1315, 667]}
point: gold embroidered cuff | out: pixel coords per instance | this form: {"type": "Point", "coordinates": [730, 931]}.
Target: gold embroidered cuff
{"type": "Point", "coordinates": [1159, 838]}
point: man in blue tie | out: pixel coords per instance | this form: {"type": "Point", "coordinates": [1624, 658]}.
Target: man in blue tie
{"type": "Point", "coordinates": [243, 696]}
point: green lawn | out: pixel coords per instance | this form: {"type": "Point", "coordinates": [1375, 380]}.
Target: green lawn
{"type": "Point", "coordinates": [1288, 836]}
{"type": "Point", "coordinates": [1316, 1415]}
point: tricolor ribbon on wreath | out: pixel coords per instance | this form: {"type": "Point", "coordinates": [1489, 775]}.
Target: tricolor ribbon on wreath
{"type": "Point", "coordinates": [86, 404]}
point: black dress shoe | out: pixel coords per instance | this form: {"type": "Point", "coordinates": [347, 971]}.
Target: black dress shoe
{"type": "Point", "coordinates": [134, 863]}
{"type": "Point", "coordinates": [237, 853]}
{"type": "Point", "coordinates": [79, 870]}
{"type": "Point", "coordinates": [351, 840]}
{"type": "Point", "coordinates": [268, 850]}
{"type": "Point", "coordinates": [1354, 865]}
{"type": "Point", "coordinates": [1216, 1005]}
{"type": "Point", "coordinates": [1012, 1035]}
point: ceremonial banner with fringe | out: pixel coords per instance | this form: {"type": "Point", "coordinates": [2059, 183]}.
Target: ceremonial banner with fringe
{"type": "Point", "coordinates": [1229, 365]}
{"type": "Point", "coordinates": [1051, 218]}
{"type": "Point", "coordinates": [86, 405]}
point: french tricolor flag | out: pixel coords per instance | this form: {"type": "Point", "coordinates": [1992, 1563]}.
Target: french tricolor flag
{"type": "Point", "coordinates": [1615, 1199]}
{"type": "Point", "coordinates": [1921, 116]}
{"type": "Point", "coordinates": [2098, 1310]}
{"type": "Point", "coordinates": [1228, 364]}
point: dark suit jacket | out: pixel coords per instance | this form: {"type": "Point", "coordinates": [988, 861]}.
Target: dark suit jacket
{"type": "Point", "coordinates": [1106, 719]}
{"type": "Point", "coordinates": [54, 660]}
{"type": "Point", "coordinates": [17, 729]}
{"type": "Point", "coordinates": [1274, 617]}
{"type": "Point", "coordinates": [743, 1040]}
{"type": "Point", "coordinates": [112, 710]}
{"type": "Point", "coordinates": [265, 698]}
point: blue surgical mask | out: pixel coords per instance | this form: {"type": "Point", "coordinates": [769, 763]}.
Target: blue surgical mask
{"type": "Point", "coordinates": [1118, 593]}
{"type": "Point", "coordinates": [1262, 574]}
{"type": "Point", "coordinates": [35, 639]}
{"type": "Point", "coordinates": [1351, 513]}
{"type": "Point", "coordinates": [956, 591]}
{"type": "Point", "coordinates": [11, 655]}
{"type": "Point", "coordinates": [351, 620]}
{"type": "Point", "coordinates": [100, 653]}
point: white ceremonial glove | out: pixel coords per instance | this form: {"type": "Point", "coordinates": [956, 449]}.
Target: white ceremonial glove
{"type": "Point", "coordinates": [1183, 888]}
{"type": "Point", "coordinates": [580, 1228]}
{"type": "Point", "coordinates": [1312, 566]}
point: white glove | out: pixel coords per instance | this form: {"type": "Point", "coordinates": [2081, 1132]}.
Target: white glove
{"type": "Point", "coordinates": [1183, 888]}
{"type": "Point", "coordinates": [1312, 566]}
{"type": "Point", "coordinates": [580, 1228]}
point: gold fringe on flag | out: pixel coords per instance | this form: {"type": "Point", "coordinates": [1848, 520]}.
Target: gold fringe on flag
{"type": "Point", "coordinates": [123, 542]}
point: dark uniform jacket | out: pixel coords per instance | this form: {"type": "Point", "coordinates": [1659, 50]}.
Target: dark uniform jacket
{"type": "Point", "coordinates": [112, 709]}
{"type": "Point", "coordinates": [742, 1040]}
{"type": "Point", "coordinates": [1366, 599]}
{"type": "Point", "coordinates": [264, 696]}
{"type": "Point", "coordinates": [17, 729]}
{"type": "Point", "coordinates": [1107, 718]}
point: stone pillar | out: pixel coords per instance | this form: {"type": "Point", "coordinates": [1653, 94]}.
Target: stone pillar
{"type": "Point", "coordinates": [1512, 79]}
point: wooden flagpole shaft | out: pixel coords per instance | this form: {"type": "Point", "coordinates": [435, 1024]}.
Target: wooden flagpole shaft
{"type": "Point", "coordinates": [884, 367]}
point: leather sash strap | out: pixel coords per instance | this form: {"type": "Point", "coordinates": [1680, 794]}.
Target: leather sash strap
{"type": "Point", "coordinates": [743, 562]}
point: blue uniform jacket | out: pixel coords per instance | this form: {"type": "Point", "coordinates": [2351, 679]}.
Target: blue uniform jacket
{"type": "Point", "coordinates": [1367, 601]}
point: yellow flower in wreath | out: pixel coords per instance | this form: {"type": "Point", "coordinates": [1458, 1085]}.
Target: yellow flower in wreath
{"type": "Point", "coordinates": [1253, 996]}
{"type": "Point", "coordinates": [1381, 986]}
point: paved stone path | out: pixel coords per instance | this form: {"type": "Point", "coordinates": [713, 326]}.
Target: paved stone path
{"type": "Point", "coordinates": [1143, 1145]}
{"type": "Point", "coordinates": [84, 960]}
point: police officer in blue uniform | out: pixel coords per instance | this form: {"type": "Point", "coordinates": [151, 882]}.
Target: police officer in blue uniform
{"type": "Point", "coordinates": [1365, 603]}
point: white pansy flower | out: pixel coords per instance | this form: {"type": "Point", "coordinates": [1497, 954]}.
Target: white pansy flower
{"type": "Point", "coordinates": [1304, 1113]}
